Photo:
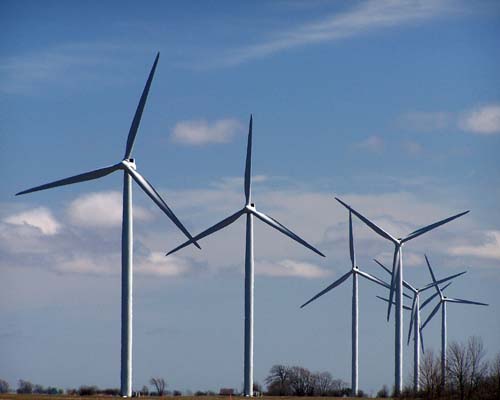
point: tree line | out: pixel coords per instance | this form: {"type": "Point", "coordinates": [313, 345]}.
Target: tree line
{"type": "Point", "coordinates": [469, 376]}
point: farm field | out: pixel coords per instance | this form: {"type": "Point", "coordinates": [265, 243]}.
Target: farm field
{"type": "Point", "coordinates": [66, 397]}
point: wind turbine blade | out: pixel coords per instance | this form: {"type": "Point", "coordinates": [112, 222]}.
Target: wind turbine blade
{"type": "Point", "coordinates": [383, 266]}
{"type": "Point", "coordinates": [155, 196]}
{"type": "Point", "coordinates": [86, 176]}
{"type": "Point", "coordinates": [434, 311]}
{"type": "Point", "coordinates": [351, 242]}
{"type": "Point", "coordinates": [427, 301]}
{"type": "Point", "coordinates": [332, 286]}
{"type": "Point", "coordinates": [373, 279]}
{"type": "Point", "coordinates": [374, 227]}
{"type": "Point", "coordinates": [387, 301]}
{"type": "Point", "coordinates": [430, 227]}
{"type": "Point", "coordinates": [421, 340]}
{"type": "Point", "coordinates": [138, 112]}
{"type": "Point", "coordinates": [225, 222]}
{"type": "Point", "coordinates": [248, 164]}
{"type": "Point", "coordinates": [406, 284]}
{"type": "Point", "coordinates": [411, 318]}
{"type": "Point", "coordinates": [395, 269]}
{"type": "Point", "coordinates": [441, 281]}
{"type": "Point", "coordinates": [438, 289]}
{"type": "Point", "coordinates": [283, 229]}
{"type": "Point", "coordinates": [462, 301]}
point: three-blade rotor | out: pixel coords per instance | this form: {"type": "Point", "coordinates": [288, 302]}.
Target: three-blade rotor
{"type": "Point", "coordinates": [397, 260]}
{"type": "Point", "coordinates": [249, 208]}
{"type": "Point", "coordinates": [127, 164]}
{"type": "Point", "coordinates": [442, 298]}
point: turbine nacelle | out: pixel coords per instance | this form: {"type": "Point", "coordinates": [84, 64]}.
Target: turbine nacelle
{"type": "Point", "coordinates": [129, 163]}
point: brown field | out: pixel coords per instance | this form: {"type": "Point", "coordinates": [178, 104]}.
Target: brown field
{"type": "Point", "coordinates": [66, 397]}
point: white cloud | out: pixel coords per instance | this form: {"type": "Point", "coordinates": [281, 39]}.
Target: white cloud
{"type": "Point", "coordinates": [290, 268]}
{"type": "Point", "coordinates": [489, 248]}
{"type": "Point", "coordinates": [361, 19]}
{"type": "Point", "coordinates": [201, 132]}
{"type": "Point", "coordinates": [483, 121]}
{"type": "Point", "coordinates": [156, 264]}
{"type": "Point", "coordinates": [373, 143]}
{"type": "Point", "coordinates": [40, 218]}
{"type": "Point", "coordinates": [101, 209]}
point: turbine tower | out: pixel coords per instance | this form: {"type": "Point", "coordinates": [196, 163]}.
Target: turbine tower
{"type": "Point", "coordinates": [127, 165]}
{"type": "Point", "coordinates": [397, 283]}
{"type": "Point", "coordinates": [250, 211]}
{"type": "Point", "coordinates": [442, 303]}
{"type": "Point", "coordinates": [355, 271]}
{"type": "Point", "coordinates": [415, 320]}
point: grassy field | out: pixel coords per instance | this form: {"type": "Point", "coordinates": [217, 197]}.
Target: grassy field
{"type": "Point", "coordinates": [66, 397]}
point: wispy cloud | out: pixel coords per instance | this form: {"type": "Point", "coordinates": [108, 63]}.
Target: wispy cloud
{"type": "Point", "coordinates": [361, 19]}
{"type": "Point", "coordinates": [483, 120]}
{"type": "Point", "coordinates": [291, 268]}
{"type": "Point", "coordinates": [373, 143]}
{"type": "Point", "coordinates": [202, 132]}
{"type": "Point", "coordinates": [65, 64]}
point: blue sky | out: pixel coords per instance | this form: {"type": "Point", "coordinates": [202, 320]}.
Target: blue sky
{"type": "Point", "coordinates": [393, 106]}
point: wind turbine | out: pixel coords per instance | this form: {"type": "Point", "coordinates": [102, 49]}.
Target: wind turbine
{"type": "Point", "coordinates": [415, 320]}
{"type": "Point", "coordinates": [397, 283]}
{"type": "Point", "coordinates": [127, 164]}
{"type": "Point", "coordinates": [442, 303]}
{"type": "Point", "coordinates": [250, 211]}
{"type": "Point", "coordinates": [355, 271]}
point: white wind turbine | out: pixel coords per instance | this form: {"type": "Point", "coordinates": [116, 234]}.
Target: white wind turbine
{"type": "Point", "coordinates": [250, 211]}
{"type": "Point", "coordinates": [442, 303]}
{"type": "Point", "coordinates": [129, 171]}
{"type": "Point", "coordinates": [414, 325]}
{"type": "Point", "coordinates": [397, 283]}
{"type": "Point", "coordinates": [355, 271]}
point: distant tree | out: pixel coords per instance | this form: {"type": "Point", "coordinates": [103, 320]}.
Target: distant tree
{"type": "Point", "coordinates": [200, 393]}
{"type": "Point", "coordinates": [323, 383]}
{"type": "Point", "coordinates": [278, 380]}
{"type": "Point", "coordinates": [466, 368]}
{"type": "Point", "coordinates": [4, 386]}
{"type": "Point", "coordinates": [430, 375]}
{"type": "Point", "coordinates": [383, 393]}
{"type": "Point", "coordinates": [160, 385]}
{"type": "Point", "coordinates": [39, 389]}
{"type": "Point", "coordinates": [24, 387]}
{"type": "Point", "coordinates": [71, 392]}
{"type": "Point", "coordinates": [177, 393]}
{"type": "Point", "coordinates": [495, 376]}
{"type": "Point", "coordinates": [88, 390]}
{"type": "Point", "coordinates": [53, 390]}
{"type": "Point", "coordinates": [301, 381]}
{"type": "Point", "coordinates": [144, 391]}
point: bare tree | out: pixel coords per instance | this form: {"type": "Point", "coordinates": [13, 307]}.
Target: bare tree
{"type": "Point", "coordinates": [495, 376]}
{"type": "Point", "coordinates": [160, 385]}
{"type": "Point", "coordinates": [301, 381]}
{"type": "Point", "coordinates": [322, 383]}
{"type": "Point", "coordinates": [278, 380]}
{"type": "Point", "coordinates": [466, 367]}
{"type": "Point", "coordinates": [430, 375]}
{"type": "Point", "coordinates": [24, 387]}
{"type": "Point", "coordinates": [4, 386]}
